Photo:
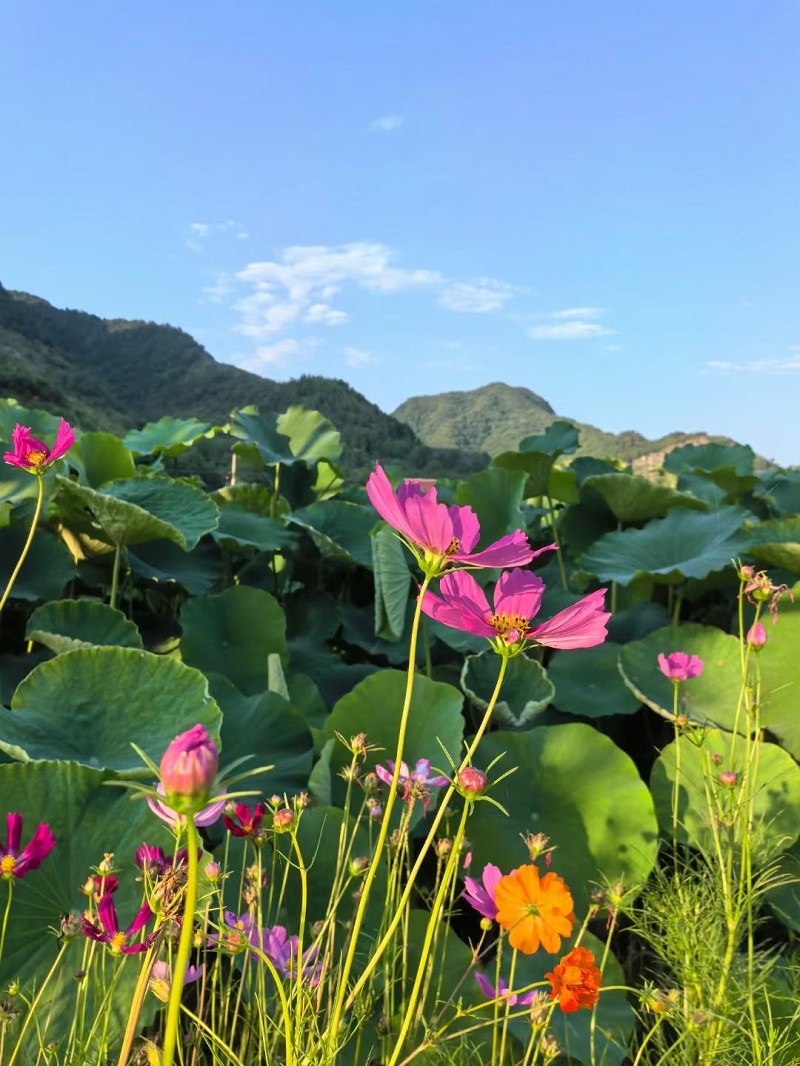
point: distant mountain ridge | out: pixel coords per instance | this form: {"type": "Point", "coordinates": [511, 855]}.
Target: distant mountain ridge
{"type": "Point", "coordinates": [115, 374]}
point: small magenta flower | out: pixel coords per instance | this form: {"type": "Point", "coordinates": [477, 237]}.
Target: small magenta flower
{"type": "Point", "coordinates": [16, 863]}
{"type": "Point", "coordinates": [188, 770]}
{"type": "Point", "coordinates": [204, 817]}
{"type": "Point", "coordinates": [757, 636]}
{"type": "Point", "coordinates": [109, 933]}
{"type": "Point", "coordinates": [517, 599]}
{"type": "Point", "coordinates": [440, 536]}
{"type": "Point", "coordinates": [32, 454]}
{"type": "Point", "coordinates": [240, 822]}
{"type": "Point", "coordinates": [481, 896]}
{"type": "Point", "coordinates": [413, 784]}
{"type": "Point", "coordinates": [501, 992]}
{"type": "Point", "coordinates": [472, 781]}
{"type": "Point", "coordinates": [679, 666]}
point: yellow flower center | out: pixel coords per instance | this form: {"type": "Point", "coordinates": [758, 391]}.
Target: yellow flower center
{"type": "Point", "coordinates": [453, 547]}
{"type": "Point", "coordinates": [118, 941]}
{"type": "Point", "coordinates": [504, 623]}
{"type": "Point", "coordinates": [36, 458]}
{"type": "Point", "coordinates": [7, 864]}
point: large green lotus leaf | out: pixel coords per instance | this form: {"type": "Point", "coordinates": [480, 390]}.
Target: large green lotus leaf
{"type": "Point", "coordinates": [42, 424]}
{"type": "Point", "coordinates": [63, 625]}
{"type": "Point", "coordinates": [584, 523]}
{"type": "Point", "coordinates": [496, 497]}
{"type": "Point", "coordinates": [588, 682]}
{"type": "Point", "coordinates": [88, 818]}
{"type": "Point", "coordinates": [779, 664]}
{"type": "Point", "coordinates": [708, 458]}
{"type": "Point", "coordinates": [358, 628]}
{"type": "Point", "coordinates": [234, 634]}
{"type": "Point", "coordinates": [683, 544]}
{"type": "Point", "coordinates": [392, 580]}
{"type": "Point", "coordinates": [266, 728]}
{"type": "Point", "coordinates": [563, 485]}
{"type": "Point", "coordinates": [103, 458]}
{"type": "Point", "coordinates": [374, 707]}
{"type": "Point", "coordinates": [48, 566]}
{"type": "Point", "coordinates": [199, 571]}
{"type": "Point", "coordinates": [537, 467]}
{"type": "Point", "coordinates": [88, 705]}
{"type": "Point", "coordinates": [245, 529]}
{"type": "Point", "coordinates": [169, 436]}
{"type": "Point", "coordinates": [576, 786]}
{"type": "Point", "coordinates": [782, 491]}
{"type": "Point", "coordinates": [776, 543]}
{"type": "Point", "coordinates": [614, 1019]}
{"type": "Point", "coordinates": [311, 435]}
{"type": "Point", "coordinates": [144, 509]}
{"type": "Point", "coordinates": [297, 435]}
{"type": "Point", "coordinates": [560, 438]}
{"type": "Point", "coordinates": [777, 793]}
{"type": "Point", "coordinates": [703, 488]}
{"type": "Point", "coordinates": [526, 691]}
{"type": "Point", "coordinates": [710, 699]}
{"type": "Point", "coordinates": [637, 620]}
{"type": "Point", "coordinates": [784, 899]}
{"type": "Point", "coordinates": [633, 499]}
{"type": "Point", "coordinates": [340, 530]}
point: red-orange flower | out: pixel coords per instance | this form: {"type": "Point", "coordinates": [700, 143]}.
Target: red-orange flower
{"type": "Point", "coordinates": [535, 910]}
{"type": "Point", "coordinates": [575, 981]}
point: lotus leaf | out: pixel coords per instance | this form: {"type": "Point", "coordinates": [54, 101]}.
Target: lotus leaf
{"type": "Point", "coordinates": [63, 625]}
{"type": "Point", "coordinates": [526, 691]}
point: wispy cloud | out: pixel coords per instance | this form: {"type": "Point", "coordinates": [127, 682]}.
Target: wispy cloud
{"type": "Point", "coordinates": [200, 232]}
{"type": "Point", "coordinates": [479, 297]}
{"type": "Point", "coordinates": [787, 365]}
{"type": "Point", "coordinates": [357, 357]}
{"type": "Point", "coordinates": [386, 124]}
{"type": "Point", "coordinates": [281, 353]}
{"type": "Point", "coordinates": [571, 324]}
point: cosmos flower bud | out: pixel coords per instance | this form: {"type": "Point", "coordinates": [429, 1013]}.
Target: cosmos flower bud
{"type": "Point", "coordinates": [757, 636]}
{"type": "Point", "coordinates": [282, 819]}
{"type": "Point", "coordinates": [472, 781]}
{"type": "Point", "coordinates": [727, 778]}
{"type": "Point", "coordinates": [188, 769]}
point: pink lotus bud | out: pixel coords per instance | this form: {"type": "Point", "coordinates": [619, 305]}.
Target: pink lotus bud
{"type": "Point", "coordinates": [188, 770]}
{"type": "Point", "coordinates": [756, 636]}
{"type": "Point", "coordinates": [472, 780]}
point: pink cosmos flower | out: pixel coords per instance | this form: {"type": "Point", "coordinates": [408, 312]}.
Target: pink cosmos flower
{"type": "Point", "coordinates": [680, 666]}
{"type": "Point", "coordinates": [502, 992]}
{"type": "Point", "coordinates": [205, 817]}
{"type": "Point", "coordinates": [517, 598]}
{"type": "Point", "coordinates": [32, 454]}
{"type": "Point", "coordinates": [109, 933]}
{"type": "Point", "coordinates": [189, 768]}
{"type": "Point", "coordinates": [16, 863]}
{"type": "Point", "coordinates": [274, 942]}
{"type": "Point", "coordinates": [481, 896]}
{"type": "Point", "coordinates": [241, 823]}
{"type": "Point", "coordinates": [440, 536]}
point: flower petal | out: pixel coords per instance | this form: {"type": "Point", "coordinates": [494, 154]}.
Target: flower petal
{"type": "Point", "coordinates": [583, 625]}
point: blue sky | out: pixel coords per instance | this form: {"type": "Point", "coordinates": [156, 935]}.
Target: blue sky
{"type": "Point", "coordinates": [596, 201]}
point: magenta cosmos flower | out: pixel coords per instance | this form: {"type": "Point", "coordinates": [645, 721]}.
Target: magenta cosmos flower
{"type": "Point", "coordinates": [32, 454]}
{"type": "Point", "coordinates": [440, 536]}
{"type": "Point", "coordinates": [109, 933]}
{"type": "Point", "coordinates": [679, 666]}
{"type": "Point", "coordinates": [517, 598]}
{"type": "Point", "coordinates": [204, 817]}
{"type": "Point", "coordinates": [501, 992]}
{"type": "Point", "coordinates": [16, 863]}
{"type": "Point", "coordinates": [481, 896]}
{"type": "Point", "coordinates": [240, 822]}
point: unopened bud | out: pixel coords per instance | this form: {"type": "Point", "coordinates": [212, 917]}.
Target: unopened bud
{"type": "Point", "coordinates": [727, 779]}
{"type": "Point", "coordinates": [282, 819]}
{"type": "Point", "coordinates": [472, 781]}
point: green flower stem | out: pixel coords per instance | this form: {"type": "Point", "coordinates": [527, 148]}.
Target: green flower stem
{"type": "Point", "coordinates": [438, 817]}
{"type": "Point", "coordinates": [336, 1015]}
{"type": "Point", "coordinates": [554, 530]}
{"type": "Point", "coordinates": [112, 599]}
{"type": "Point", "coordinates": [28, 542]}
{"type": "Point", "coordinates": [6, 913]}
{"type": "Point", "coordinates": [676, 783]}
{"type": "Point", "coordinates": [35, 1003]}
{"type": "Point", "coordinates": [184, 947]}
{"type": "Point", "coordinates": [433, 921]}
{"type": "Point", "coordinates": [139, 993]}
{"type": "Point", "coordinates": [298, 961]}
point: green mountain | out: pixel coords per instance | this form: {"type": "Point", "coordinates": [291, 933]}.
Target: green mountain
{"type": "Point", "coordinates": [496, 417]}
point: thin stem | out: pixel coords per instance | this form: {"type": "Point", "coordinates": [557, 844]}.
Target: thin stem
{"type": "Point", "coordinates": [184, 947]}
{"type": "Point", "coordinates": [28, 542]}
{"type": "Point", "coordinates": [5, 916]}
{"type": "Point", "coordinates": [35, 1003]}
{"type": "Point", "coordinates": [115, 576]}
{"type": "Point", "coordinates": [559, 554]}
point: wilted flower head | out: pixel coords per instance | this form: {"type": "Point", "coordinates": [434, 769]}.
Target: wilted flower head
{"type": "Point", "coordinates": [535, 910]}
{"type": "Point", "coordinates": [15, 863]}
{"type": "Point", "coordinates": [480, 896]}
{"type": "Point", "coordinates": [575, 981]}
{"type": "Point", "coordinates": [758, 588]}
{"type": "Point", "coordinates": [188, 769]}
{"type": "Point", "coordinates": [440, 536]}
{"type": "Point", "coordinates": [204, 817]}
{"type": "Point", "coordinates": [32, 454]}
{"type": "Point", "coordinates": [517, 599]}
{"type": "Point", "coordinates": [679, 666]}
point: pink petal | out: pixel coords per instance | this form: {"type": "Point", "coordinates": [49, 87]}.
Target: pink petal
{"type": "Point", "coordinates": [518, 592]}
{"type": "Point", "coordinates": [386, 503]}
{"type": "Point", "coordinates": [583, 625]}
{"type": "Point", "coordinates": [430, 522]}
{"type": "Point", "coordinates": [466, 528]}
{"type": "Point", "coordinates": [511, 550]}
{"type": "Point", "coordinates": [14, 825]}
{"type": "Point", "coordinates": [65, 438]}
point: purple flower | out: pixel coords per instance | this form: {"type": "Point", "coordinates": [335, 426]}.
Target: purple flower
{"type": "Point", "coordinates": [421, 774]}
{"type": "Point", "coordinates": [517, 599]}
{"type": "Point", "coordinates": [161, 979]}
{"type": "Point", "coordinates": [679, 666]}
{"type": "Point", "coordinates": [154, 861]}
{"type": "Point", "coordinates": [272, 941]}
{"type": "Point", "coordinates": [189, 768]}
{"type": "Point", "coordinates": [481, 897]}
{"type": "Point", "coordinates": [109, 933]}
{"type": "Point", "coordinates": [501, 991]}
{"type": "Point", "coordinates": [32, 454]}
{"type": "Point", "coordinates": [440, 536]}
{"type": "Point", "coordinates": [205, 817]}
{"type": "Point", "coordinates": [16, 863]}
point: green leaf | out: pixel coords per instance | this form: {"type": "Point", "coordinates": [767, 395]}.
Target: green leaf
{"type": "Point", "coordinates": [168, 436]}
{"type": "Point", "coordinates": [245, 529]}
{"type": "Point", "coordinates": [496, 497]}
{"type": "Point", "coordinates": [199, 571]}
{"type": "Point", "coordinates": [779, 664]}
{"type": "Point", "coordinates": [776, 803]}
{"type": "Point", "coordinates": [311, 436]}
{"type": "Point", "coordinates": [145, 509]}
{"type": "Point", "coordinates": [560, 438]}
{"type": "Point", "coordinates": [339, 530]}
{"type": "Point", "coordinates": [683, 544]}
{"type": "Point", "coordinates": [87, 818]}
{"type": "Point", "coordinates": [782, 491]}
{"type": "Point", "coordinates": [266, 728]}
{"type": "Point", "coordinates": [776, 543]}
{"type": "Point", "coordinates": [710, 699]}
{"type": "Point", "coordinates": [392, 579]}
{"type": "Point", "coordinates": [707, 458]}
{"type": "Point", "coordinates": [87, 706]}
{"type": "Point", "coordinates": [537, 467]}
{"type": "Point", "coordinates": [526, 690]}
{"type": "Point", "coordinates": [103, 458]}
{"type": "Point", "coordinates": [784, 899]}
{"type": "Point", "coordinates": [233, 634]}
{"type": "Point", "coordinates": [574, 784]}
{"type": "Point", "coordinates": [633, 499]}
{"type": "Point", "coordinates": [296, 436]}
{"type": "Point", "coordinates": [48, 566]}
{"type": "Point", "coordinates": [588, 682]}
{"type": "Point", "coordinates": [63, 625]}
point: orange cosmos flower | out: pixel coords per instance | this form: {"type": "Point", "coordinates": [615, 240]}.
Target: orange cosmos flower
{"type": "Point", "coordinates": [575, 981]}
{"type": "Point", "coordinates": [535, 910]}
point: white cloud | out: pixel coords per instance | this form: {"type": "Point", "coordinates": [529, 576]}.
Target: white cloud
{"type": "Point", "coordinates": [569, 331]}
{"type": "Point", "coordinates": [386, 124]}
{"type": "Point", "coordinates": [323, 315]}
{"type": "Point", "coordinates": [278, 354]}
{"type": "Point", "coordinates": [578, 312]}
{"type": "Point", "coordinates": [358, 357]}
{"type": "Point", "coordinates": [757, 366]}
{"type": "Point", "coordinates": [200, 232]}
{"type": "Point", "coordinates": [478, 297]}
